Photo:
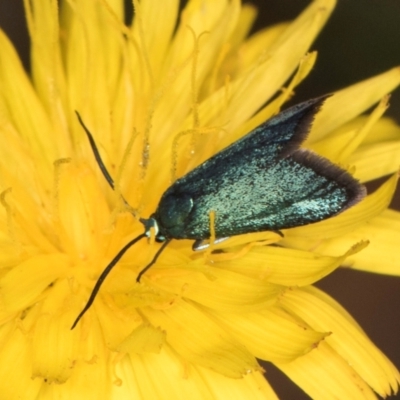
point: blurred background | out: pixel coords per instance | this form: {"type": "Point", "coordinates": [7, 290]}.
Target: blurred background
{"type": "Point", "coordinates": [361, 39]}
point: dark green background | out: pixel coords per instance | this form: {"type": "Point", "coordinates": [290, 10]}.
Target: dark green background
{"type": "Point", "coordinates": [361, 39]}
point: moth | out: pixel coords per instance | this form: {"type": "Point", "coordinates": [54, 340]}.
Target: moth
{"type": "Point", "coordinates": [262, 182]}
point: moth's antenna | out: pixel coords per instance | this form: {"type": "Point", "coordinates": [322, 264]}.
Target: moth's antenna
{"type": "Point", "coordinates": [104, 275]}
{"type": "Point", "coordinates": [110, 266]}
{"type": "Point", "coordinates": [159, 251]}
{"type": "Point", "coordinates": [100, 162]}
{"type": "Point", "coordinates": [145, 222]}
{"type": "Point", "coordinates": [96, 152]}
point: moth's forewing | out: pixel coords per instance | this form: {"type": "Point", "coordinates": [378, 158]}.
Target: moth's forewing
{"type": "Point", "coordinates": [261, 182]}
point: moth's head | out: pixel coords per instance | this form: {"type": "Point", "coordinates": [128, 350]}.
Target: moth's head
{"type": "Point", "coordinates": [152, 223]}
{"type": "Point", "coordinates": [170, 216]}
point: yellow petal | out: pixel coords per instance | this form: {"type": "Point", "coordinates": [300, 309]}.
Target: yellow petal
{"type": "Point", "coordinates": [288, 267]}
{"type": "Point", "coordinates": [272, 108]}
{"type": "Point", "coordinates": [153, 26]}
{"type": "Point", "coordinates": [268, 76]}
{"type": "Point", "coordinates": [272, 335]}
{"type": "Point", "coordinates": [47, 69]}
{"type": "Point", "coordinates": [214, 21]}
{"type": "Point", "coordinates": [34, 127]}
{"type": "Point", "coordinates": [118, 324]}
{"type": "Point", "coordinates": [385, 130]}
{"type": "Point", "coordinates": [78, 191]}
{"type": "Point", "coordinates": [55, 348]}
{"type": "Point", "coordinates": [221, 290]}
{"type": "Point", "coordinates": [199, 340]}
{"type": "Point", "coordinates": [347, 339]}
{"type": "Point", "coordinates": [352, 101]}
{"type": "Point", "coordinates": [165, 376]}
{"type": "Point", "coordinates": [378, 158]}
{"type": "Point", "coordinates": [91, 379]}
{"type": "Point", "coordinates": [16, 365]}
{"type": "Point", "coordinates": [264, 39]}
{"type": "Point", "coordinates": [248, 14]}
{"type": "Point", "coordinates": [144, 339]}
{"type": "Point", "coordinates": [339, 147]}
{"type": "Point", "coordinates": [381, 255]}
{"type": "Point", "coordinates": [323, 374]}
{"type": "Point", "coordinates": [94, 37]}
{"type": "Point", "coordinates": [22, 286]}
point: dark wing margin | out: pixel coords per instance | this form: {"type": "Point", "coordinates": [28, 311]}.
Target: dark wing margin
{"type": "Point", "coordinates": [303, 127]}
{"type": "Point", "coordinates": [355, 191]}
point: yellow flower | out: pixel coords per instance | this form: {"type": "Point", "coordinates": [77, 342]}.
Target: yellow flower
{"type": "Point", "coordinates": [160, 97]}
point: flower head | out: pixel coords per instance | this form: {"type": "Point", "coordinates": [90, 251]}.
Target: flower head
{"type": "Point", "coordinates": [160, 97]}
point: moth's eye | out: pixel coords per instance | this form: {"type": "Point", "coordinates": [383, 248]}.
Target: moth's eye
{"type": "Point", "coordinates": [173, 209]}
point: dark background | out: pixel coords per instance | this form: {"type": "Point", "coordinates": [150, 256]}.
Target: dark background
{"type": "Point", "coordinates": [361, 39]}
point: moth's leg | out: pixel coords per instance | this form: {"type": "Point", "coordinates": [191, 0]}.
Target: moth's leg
{"type": "Point", "coordinates": [202, 244]}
